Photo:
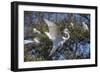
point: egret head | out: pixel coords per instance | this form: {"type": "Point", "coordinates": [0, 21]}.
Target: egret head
{"type": "Point", "coordinates": [34, 29]}
{"type": "Point", "coordinates": [66, 30]}
{"type": "Point", "coordinates": [66, 36]}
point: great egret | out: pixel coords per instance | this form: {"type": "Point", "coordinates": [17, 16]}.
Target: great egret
{"type": "Point", "coordinates": [85, 27]}
{"type": "Point", "coordinates": [28, 41]}
{"type": "Point", "coordinates": [55, 36]}
{"type": "Point", "coordinates": [36, 31]}
{"type": "Point", "coordinates": [72, 24]}
{"type": "Point", "coordinates": [35, 41]}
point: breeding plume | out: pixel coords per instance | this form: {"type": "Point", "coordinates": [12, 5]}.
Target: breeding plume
{"type": "Point", "coordinates": [55, 36]}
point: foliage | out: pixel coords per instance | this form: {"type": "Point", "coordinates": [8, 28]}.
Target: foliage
{"type": "Point", "coordinates": [70, 47]}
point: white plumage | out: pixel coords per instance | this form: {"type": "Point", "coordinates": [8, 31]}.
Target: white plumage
{"type": "Point", "coordinates": [28, 41]}
{"type": "Point", "coordinates": [72, 24]}
{"type": "Point", "coordinates": [35, 41]}
{"type": "Point", "coordinates": [85, 27]}
{"type": "Point", "coordinates": [55, 36]}
{"type": "Point", "coordinates": [36, 31]}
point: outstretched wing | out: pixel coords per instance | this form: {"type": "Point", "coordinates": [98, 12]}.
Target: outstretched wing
{"type": "Point", "coordinates": [54, 34]}
{"type": "Point", "coordinates": [53, 29]}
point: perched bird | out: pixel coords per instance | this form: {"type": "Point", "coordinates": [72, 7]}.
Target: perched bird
{"type": "Point", "coordinates": [55, 36]}
{"type": "Point", "coordinates": [28, 41]}
{"type": "Point", "coordinates": [35, 41]}
{"type": "Point", "coordinates": [85, 27]}
{"type": "Point", "coordinates": [36, 31]}
{"type": "Point", "coordinates": [72, 24]}
{"type": "Point", "coordinates": [66, 32]}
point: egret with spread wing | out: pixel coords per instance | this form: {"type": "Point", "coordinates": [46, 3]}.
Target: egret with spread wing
{"type": "Point", "coordinates": [55, 36]}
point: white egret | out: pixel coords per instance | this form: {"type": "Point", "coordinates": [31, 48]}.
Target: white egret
{"type": "Point", "coordinates": [36, 31]}
{"type": "Point", "coordinates": [72, 24]}
{"type": "Point", "coordinates": [55, 36]}
{"type": "Point", "coordinates": [28, 41]}
{"type": "Point", "coordinates": [85, 27]}
{"type": "Point", "coordinates": [35, 41]}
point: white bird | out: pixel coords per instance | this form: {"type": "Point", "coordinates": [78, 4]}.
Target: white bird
{"type": "Point", "coordinates": [72, 24]}
{"type": "Point", "coordinates": [36, 31]}
{"type": "Point", "coordinates": [66, 31]}
{"type": "Point", "coordinates": [55, 36]}
{"type": "Point", "coordinates": [85, 27]}
{"type": "Point", "coordinates": [28, 41]}
{"type": "Point", "coordinates": [35, 41]}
